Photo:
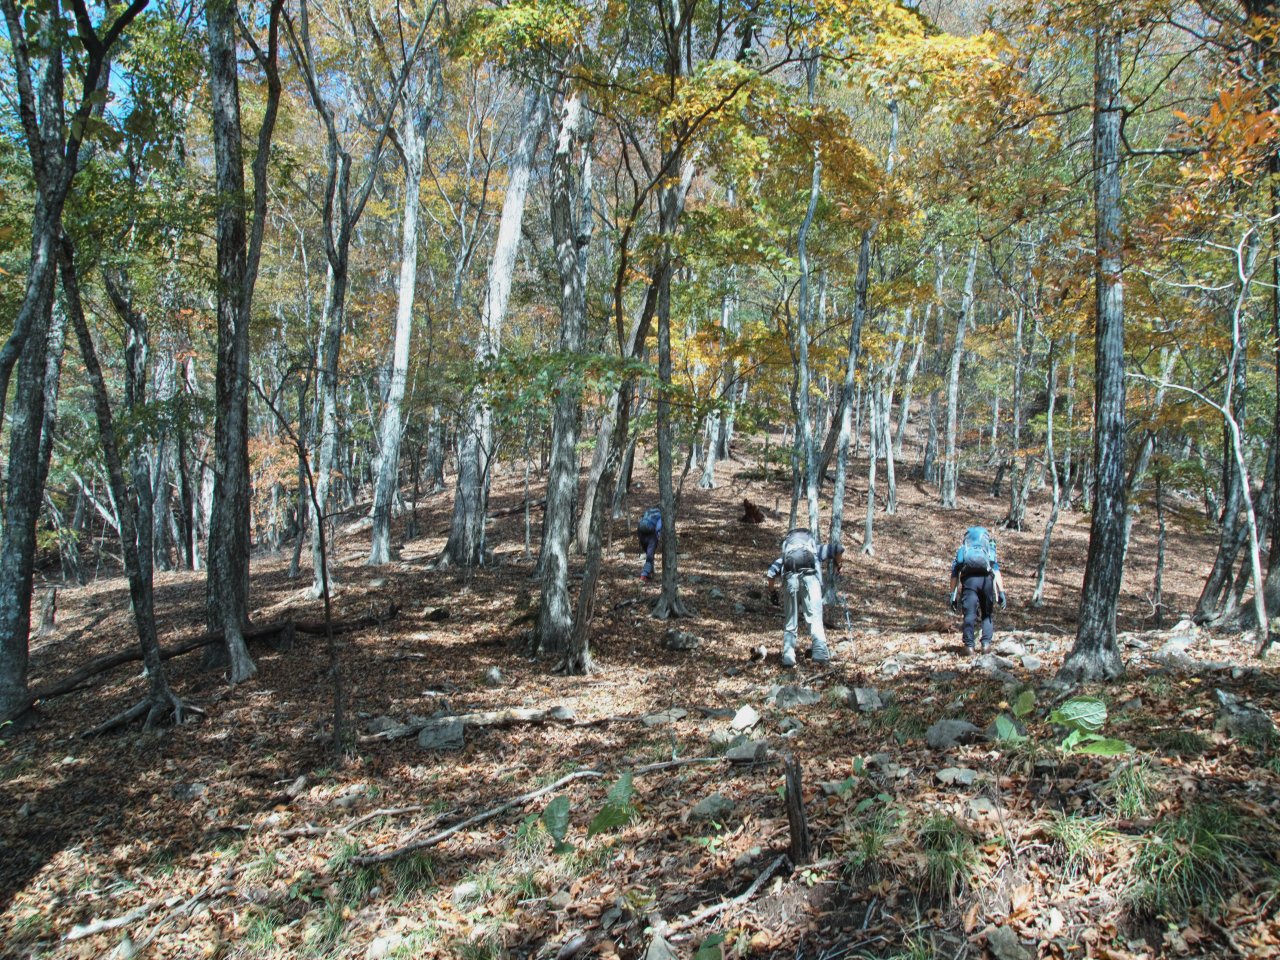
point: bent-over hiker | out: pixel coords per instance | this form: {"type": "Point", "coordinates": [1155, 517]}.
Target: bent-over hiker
{"type": "Point", "coordinates": [647, 533]}
{"type": "Point", "coordinates": [800, 565]}
{"type": "Point", "coordinates": [976, 584]}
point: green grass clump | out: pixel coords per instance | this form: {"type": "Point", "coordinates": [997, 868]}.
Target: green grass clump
{"type": "Point", "coordinates": [1180, 743]}
{"type": "Point", "coordinates": [413, 873]}
{"type": "Point", "coordinates": [1078, 839]}
{"type": "Point", "coordinates": [1190, 861]}
{"type": "Point", "coordinates": [260, 930]}
{"type": "Point", "coordinates": [1132, 789]}
{"type": "Point", "coordinates": [950, 855]}
{"type": "Point", "coordinates": [867, 832]}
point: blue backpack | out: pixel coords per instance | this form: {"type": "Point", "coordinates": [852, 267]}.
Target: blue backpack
{"type": "Point", "coordinates": [651, 521]}
{"type": "Point", "coordinates": [977, 553]}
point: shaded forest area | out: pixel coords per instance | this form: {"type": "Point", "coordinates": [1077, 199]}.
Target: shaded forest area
{"type": "Point", "coordinates": [344, 347]}
{"type": "Point", "coordinates": [238, 836]}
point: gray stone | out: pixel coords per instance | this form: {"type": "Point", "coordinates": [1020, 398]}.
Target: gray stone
{"type": "Point", "coordinates": [664, 717]}
{"type": "Point", "coordinates": [790, 725]}
{"type": "Point", "coordinates": [1009, 647]}
{"type": "Point", "coordinates": [1004, 945]}
{"type": "Point", "coordinates": [961, 775]}
{"type": "Point", "coordinates": [981, 808]}
{"type": "Point", "coordinates": [715, 807]}
{"type": "Point", "coordinates": [561, 900]}
{"type": "Point", "coordinates": [383, 947]}
{"type": "Point", "coordinates": [1031, 662]}
{"type": "Point", "coordinates": [1133, 642]}
{"type": "Point", "coordinates": [659, 949]}
{"type": "Point", "coordinates": [383, 724]}
{"type": "Point", "coordinates": [944, 676]}
{"type": "Point", "coordinates": [746, 718]}
{"type": "Point", "coordinates": [190, 791]}
{"type": "Point", "coordinates": [677, 639]}
{"type": "Point", "coordinates": [493, 677]}
{"type": "Point", "coordinates": [715, 593]}
{"type": "Point", "coordinates": [715, 713]}
{"type": "Point", "coordinates": [739, 608]}
{"type": "Point", "coordinates": [890, 668]}
{"type": "Point", "coordinates": [1131, 705]}
{"type": "Point", "coordinates": [466, 892]}
{"type": "Point", "coordinates": [795, 696]}
{"type": "Point", "coordinates": [1241, 719]}
{"type": "Point", "coordinates": [725, 738]}
{"type": "Point", "coordinates": [991, 662]}
{"type": "Point", "coordinates": [868, 699]}
{"type": "Point", "coordinates": [751, 751]}
{"type": "Point", "coordinates": [947, 733]}
{"type": "Point", "coordinates": [443, 734]}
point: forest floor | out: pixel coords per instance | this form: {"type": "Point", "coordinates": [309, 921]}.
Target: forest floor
{"type": "Point", "coordinates": [239, 836]}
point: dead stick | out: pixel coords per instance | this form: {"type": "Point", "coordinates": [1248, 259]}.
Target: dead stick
{"type": "Point", "coordinates": [435, 838]}
{"type": "Point", "coordinates": [724, 905]}
{"type": "Point", "coordinates": [80, 931]}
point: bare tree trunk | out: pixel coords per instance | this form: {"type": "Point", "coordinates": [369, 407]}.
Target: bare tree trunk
{"type": "Point", "coordinates": [227, 586]}
{"type": "Point", "coordinates": [1042, 566]}
{"type": "Point", "coordinates": [571, 231]}
{"type": "Point", "coordinates": [465, 546]}
{"type": "Point", "coordinates": [1095, 655]}
{"type": "Point", "coordinates": [134, 505]}
{"type": "Point", "coordinates": [951, 463]}
{"type": "Point", "coordinates": [417, 107]}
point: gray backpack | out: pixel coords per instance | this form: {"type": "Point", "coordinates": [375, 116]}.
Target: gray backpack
{"type": "Point", "coordinates": [799, 550]}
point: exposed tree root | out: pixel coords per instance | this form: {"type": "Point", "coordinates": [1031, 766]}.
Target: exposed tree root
{"type": "Point", "coordinates": [170, 709]}
{"type": "Point", "coordinates": [282, 632]}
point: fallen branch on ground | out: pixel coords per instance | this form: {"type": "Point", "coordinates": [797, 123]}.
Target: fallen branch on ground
{"type": "Point", "coordinates": [709, 912]}
{"type": "Point", "coordinates": [102, 664]}
{"type": "Point", "coordinates": [518, 508]}
{"type": "Point", "coordinates": [483, 718]}
{"type": "Point", "coordinates": [412, 845]}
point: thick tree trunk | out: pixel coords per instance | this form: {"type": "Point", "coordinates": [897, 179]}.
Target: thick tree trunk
{"type": "Point", "coordinates": [845, 411]}
{"type": "Point", "coordinates": [571, 232]}
{"type": "Point", "coordinates": [465, 546]}
{"type": "Point", "coordinates": [227, 586]}
{"type": "Point", "coordinates": [1095, 655]}
{"type": "Point", "coordinates": [951, 461]}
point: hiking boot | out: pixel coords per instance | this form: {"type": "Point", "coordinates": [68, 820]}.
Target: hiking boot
{"type": "Point", "coordinates": [986, 648]}
{"type": "Point", "coordinates": [820, 655]}
{"type": "Point", "coordinates": [970, 651]}
{"type": "Point", "coordinates": [788, 658]}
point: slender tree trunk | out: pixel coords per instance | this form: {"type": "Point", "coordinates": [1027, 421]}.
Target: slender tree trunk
{"type": "Point", "coordinates": [951, 463]}
{"type": "Point", "coordinates": [134, 505]}
{"type": "Point", "coordinates": [1095, 655]}
{"type": "Point", "coordinates": [465, 546]}
{"type": "Point", "coordinates": [413, 145]}
{"type": "Point", "coordinates": [1042, 566]}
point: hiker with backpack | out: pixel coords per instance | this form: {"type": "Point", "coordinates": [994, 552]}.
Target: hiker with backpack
{"type": "Point", "coordinates": [647, 533]}
{"type": "Point", "coordinates": [800, 566]}
{"type": "Point", "coordinates": [976, 585]}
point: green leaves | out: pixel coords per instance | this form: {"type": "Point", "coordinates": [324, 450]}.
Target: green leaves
{"type": "Point", "coordinates": [1081, 714]}
{"type": "Point", "coordinates": [556, 819]}
{"type": "Point", "coordinates": [1025, 703]}
{"type": "Point", "coordinates": [1084, 717]}
{"type": "Point", "coordinates": [1007, 730]}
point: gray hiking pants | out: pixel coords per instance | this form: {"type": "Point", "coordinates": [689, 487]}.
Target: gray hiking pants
{"type": "Point", "coordinates": [803, 590]}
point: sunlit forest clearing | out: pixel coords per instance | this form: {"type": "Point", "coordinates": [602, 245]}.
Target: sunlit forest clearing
{"type": "Point", "coordinates": [352, 355]}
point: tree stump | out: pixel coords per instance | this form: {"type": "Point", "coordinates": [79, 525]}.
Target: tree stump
{"type": "Point", "coordinates": [800, 847]}
{"type": "Point", "coordinates": [751, 513]}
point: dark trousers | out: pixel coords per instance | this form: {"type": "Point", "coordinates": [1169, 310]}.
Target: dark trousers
{"type": "Point", "coordinates": [648, 545]}
{"type": "Point", "coordinates": [977, 597]}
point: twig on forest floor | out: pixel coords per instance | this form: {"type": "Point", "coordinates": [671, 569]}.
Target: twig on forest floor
{"type": "Point", "coordinates": [93, 928]}
{"type": "Point", "coordinates": [722, 906]}
{"type": "Point", "coordinates": [409, 845]}
{"type": "Point", "coordinates": [1225, 935]}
